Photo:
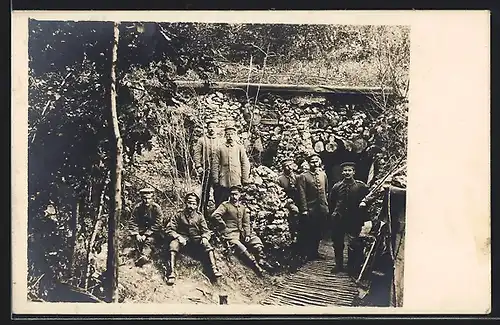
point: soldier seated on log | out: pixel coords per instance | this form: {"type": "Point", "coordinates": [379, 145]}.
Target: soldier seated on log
{"type": "Point", "coordinates": [145, 226]}
{"type": "Point", "coordinates": [186, 227]}
{"type": "Point", "coordinates": [234, 222]}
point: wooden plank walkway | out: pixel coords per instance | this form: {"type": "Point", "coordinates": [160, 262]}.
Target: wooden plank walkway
{"type": "Point", "coordinates": [315, 285]}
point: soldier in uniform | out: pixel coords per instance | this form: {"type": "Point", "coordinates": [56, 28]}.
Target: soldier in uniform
{"type": "Point", "coordinates": [304, 167]}
{"type": "Point", "coordinates": [234, 222]}
{"type": "Point", "coordinates": [189, 226]}
{"type": "Point", "coordinates": [231, 165]}
{"type": "Point", "coordinates": [348, 207]}
{"type": "Point", "coordinates": [145, 225]}
{"type": "Point", "coordinates": [288, 181]}
{"type": "Point", "coordinates": [313, 206]}
{"type": "Point", "coordinates": [204, 153]}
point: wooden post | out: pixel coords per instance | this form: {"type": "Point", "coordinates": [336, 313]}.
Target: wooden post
{"type": "Point", "coordinates": [116, 182]}
{"type": "Point", "coordinates": [222, 299]}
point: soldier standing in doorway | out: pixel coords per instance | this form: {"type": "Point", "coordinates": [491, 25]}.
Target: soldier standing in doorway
{"type": "Point", "coordinates": [204, 154]}
{"type": "Point", "coordinates": [231, 165]}
{"type": "Point", "coordinates": [234, 222]}
{"type": "Point", "coordinates": [346, 201]}
{"type": "Point", "coordinates": [189, 227]}
{"type": "Point", "coordinates": [313, 206]}
{"type": "Point", "coordinates": [145, 225]}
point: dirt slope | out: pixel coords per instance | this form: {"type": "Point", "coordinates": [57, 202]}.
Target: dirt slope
{"type": "Point", "coordinates": [193, 286]}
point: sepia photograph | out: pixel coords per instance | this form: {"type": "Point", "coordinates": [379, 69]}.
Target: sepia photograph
{"type": "Point", "coordinates": [217, 163]}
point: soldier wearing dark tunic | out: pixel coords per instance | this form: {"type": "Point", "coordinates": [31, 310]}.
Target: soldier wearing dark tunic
{"type": "Point", "coordinates": [313, 206]}
{"type": "Point", "coordinates": [288, 181]}
{"type": "Point", "coordinates": [145, 226]}
{"type": "Point", "coordinates": [189, 227]}
{"type": "Point", "coordinates": [234, 221]}
{"type": "Point", "coordinates": [348, 213]}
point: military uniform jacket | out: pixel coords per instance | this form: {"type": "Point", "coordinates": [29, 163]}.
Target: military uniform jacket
{"type": "Point", "coordinates": [188, 224]}
{"type": "Point", "coordinates": [234, 219]}
{"type": "Point", "coordinates": [204, 151]}
{"type": "Point", "coordinates": [146, 220]}
{"type": "Point", "coordinates": [289, 184]}
{"type": "Point", "coordinates": [231, 165]}
{"type": "Point", "coordinates": [344, 199]}
{"type": "Point", "coordinates": [312, 191]}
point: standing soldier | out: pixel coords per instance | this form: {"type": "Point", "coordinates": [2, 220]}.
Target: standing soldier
{"type": "Point", "coordinates": [231, 165]}
{"type": "Point", "coordinates": [204, 153]}
{"type": "Point", "coordinates": [288, 181]}
{"type": "Point", "coordinates": [313, 206]}
{"type": "Point", "coordinates": [234, 221]}
{"type": "Point", "coordinates": [346, 201]}
{"type": "Point", "coordinates": [189, 227]}
{"type": "Point", "coordinates": [145, 225]}
{"type": "Point", "coordinates": [304, 167]}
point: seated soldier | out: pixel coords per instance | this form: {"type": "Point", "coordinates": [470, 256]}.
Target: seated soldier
{"type": "Point", "coordinates": [145, 225]}
{"type": "Point", "coordinates": [189, 226]}
{"type": "Point", "coordinates": [234, 222]}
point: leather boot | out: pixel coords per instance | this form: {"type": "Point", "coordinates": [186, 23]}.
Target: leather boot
{"type": "Point", "coordinates": [213, 264]}
{"type": "Point", "coordinates": [171, 276]}
{"type": "Point", "coordinates": [339, 264]}
{"type": "Point", "coordinates": [261, 259]}
{"type": "Point", "coordinates": [254, 263]}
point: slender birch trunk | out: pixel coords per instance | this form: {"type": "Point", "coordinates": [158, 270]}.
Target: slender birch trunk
{"type": "Point", "coordinates": [116, 183]}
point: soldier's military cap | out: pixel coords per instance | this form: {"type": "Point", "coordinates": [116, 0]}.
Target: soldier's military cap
{"type": "Point", "coordinates": [146, 190]}
{"type": "Point", "coordinates": [347, 164]}
{"type": "Point", "coordinates": [210, 120]}
{"type": "Point", "coordinates": [230, 126]}
{"type": "Point", "coordinates": [287, 161]}
{"type": "Point", "coordinates": [235, 188]}
{"type": "Point", "coordinates": [191, 194]}
{"type": "Point", "coordinates": [314, 154]}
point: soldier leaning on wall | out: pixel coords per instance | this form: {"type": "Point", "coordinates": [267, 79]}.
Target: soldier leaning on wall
{"type": "Point", "coordinates": [204, 155]}
{"type": "Point", "coordinates": [313, 206]}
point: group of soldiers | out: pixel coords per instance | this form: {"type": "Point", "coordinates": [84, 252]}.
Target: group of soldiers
{"type": "Point", "coordinates": [340, 210]}
{"type": "Point", "coordinates": [223, 167]}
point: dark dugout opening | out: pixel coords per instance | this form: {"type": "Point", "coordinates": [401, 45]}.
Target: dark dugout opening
{"type": "Point", "coordinates": [333, 160]}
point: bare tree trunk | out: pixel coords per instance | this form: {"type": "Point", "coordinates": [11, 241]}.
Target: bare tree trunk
{"type": "Point", "coordinates": [116, 183]}
{"type": "Point", "coordinates": [74, 240]}
{"type": "Point", "coordinates": [97, 226]}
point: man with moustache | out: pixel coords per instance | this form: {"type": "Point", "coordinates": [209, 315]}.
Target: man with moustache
{"type": "Point", "coordinates": [313, 206]}
{"type": "Point", "coordinates": [348, 213]}
{"type": "Point", "coordinates": [189, 227]}
{"type": "Point", "coordinates": [288, 181]}
{"type": "Point", "coordinates": [145, 226]}
{"type": "Point", "coordinates": [234, 221]}
{"type": "Point", "coordinates": [231, 165]}
{"type": "Point", "coordinates": [204, 154]}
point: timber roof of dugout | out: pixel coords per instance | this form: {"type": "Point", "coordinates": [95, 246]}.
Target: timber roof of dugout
{"type": "Point", "coordinates": [286, 88]}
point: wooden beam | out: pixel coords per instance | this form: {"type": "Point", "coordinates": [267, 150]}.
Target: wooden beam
{"type": "Point", "coordinates": [287, 88]}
